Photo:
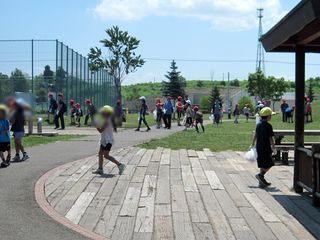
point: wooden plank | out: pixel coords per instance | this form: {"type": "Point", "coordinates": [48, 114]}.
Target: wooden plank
{"type": "Point", "coordinates": [240, 183]}
{"type": "Point", "coordinates": [163, 228]}
{"type": "Point", "coordinates": [208, 152]}
{"type": "Point", "coordinates": [175, 176]}
{"type": "Point", "coordinates": [257, 225]}
{"type": "Point", "coordinates": [149, 185]}
{"type": "Point", "coordinates": [165, 157]}
{"type": "Point", "coordinates": [163, 210]}
{"type": "Point", "coordinates": [179, 202]}
{"type": "Point", "coordinates": [199, 176]}
{"type": "Point", "coordinates": [142, 236]}
{"type": "Point", "coordinates": [174, 159]}
{"type": "Point", "coordinates": [107, 222]}
{"type": "Point", "coordinates": [79, 207]}
{"type": "Point", "coordinates": [153, 168]}
{"type": "Point", "coordinates": [130, 204]}
{"type": "Point", "coordinates": [201, 155]}
{"type": "Point", "coordinates": [196, 208]}
{"type": "Point", "coordinates": [124, 228]}
{"type": "Point", "coordinates": [135, 160]}
{"type": "Point", "coordinates": [145, 215]}
{"type": "Point", "coordinates": [139, 174]}
{"type": "Point", "coordinates": [214, 180]}
{"type": "Point", "coordinates": [188, 179]}
{"type": "Point", "coordinates": [195, 162]}
{"type": "Point", "coordinates": [241, 230]}
{"type": "Point", "coordinates": [184, 160]}
{"type": "Point", "coordinates": [216, 216]}
{"type": "Point", "coordinates": [227, 205]}
{"type": "Point", "coordinates": [157, 155]}
{"type": "Point", "coordinates": [281, 231]}
{"type": "Point", "coordinates": [236, 195]}
{"type": "Point", "coordinates": [146, 158]}
{"type": "Point", "coordinates": [261, 208]}
{"type": "Point", "coordinates": [182, 226]}
{"type": "Point", "coordinates": [128, 172]}
{"type": "Point", "coordinates": [119, 192]}
{"type": "Point", "coordinates": [192, 153]}
{"type": "Point", "coordinates": [163, 186]}
{"type": "Point", "coordinates": [203, 231]}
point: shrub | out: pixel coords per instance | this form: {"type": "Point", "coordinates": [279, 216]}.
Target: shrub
{"type": "Point", "coordinates": [205, 104]}
{"type": "Point", "coordinates": [246, 100]}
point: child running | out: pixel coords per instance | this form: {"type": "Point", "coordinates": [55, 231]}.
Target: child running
{"type": "Point", "coordinates": [4, 137]}
{"type": "Point", "coordinates": [198, 118]}
{"type": "Point", "coordinates": [106, 140]}
{"type": "Point", "coordinates": [265, 145]}
{"type": "Point", "coordinates": [188, 115]}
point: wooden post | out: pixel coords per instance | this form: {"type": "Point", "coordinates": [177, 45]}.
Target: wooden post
{"type": "Point", "coordinates": [299, 115]}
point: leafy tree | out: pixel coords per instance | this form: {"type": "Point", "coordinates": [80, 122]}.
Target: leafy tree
{"type": "Point", "coordinates": [259, 85]}
{"type": "Point", "coordinates": [5, 86]}
{"type": "Point", "coordinates": [19, 81]}
{"type": "Point", "coordinates": [235, 83]}
{"type": "Point", "coordinates": [310, 90]}
{"type": "Point", "coordinates": [278, 88]}
{"type": "Point", "coordinates": [40, 89]}
{"type": "Point", "coordinates": [48, 76]}
{"type": "Point", "coordinates": [215, 94]}
{"type": "Point", "coordinates": [223, 83]}
{"type": "Point", "coordinates": [200, 84]}
{"type": "Point", "coordinates": [122, 58]}
{"type": "Point", "coordinates": [245, 100]}
{"type": "Point", "coordinates": [60, 79]}
{"type": "Point", "coordinates": [205, 103]}
{"type": "Point", "coordinates": [175, 86]}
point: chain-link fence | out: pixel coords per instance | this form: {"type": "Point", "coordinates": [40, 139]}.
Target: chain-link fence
{"type": "Point", "coordinates": [32, 68]}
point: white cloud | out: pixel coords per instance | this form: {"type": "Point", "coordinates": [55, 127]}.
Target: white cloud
{"type": "Point", "coordinates": [228, 15]}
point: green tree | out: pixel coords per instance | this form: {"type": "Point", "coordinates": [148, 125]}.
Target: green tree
{"type": "Point", "coordinates": [215, 94]}
{"type": "Point", "coordinates": [278, 88]}
{"type": "Point", "coordinates": [5, 86]}
{"type": "Point", "coordinates": [223, 83]}
{"type": "Point", "coordinates": [175, 86]}
{"type": "Point", "coordinates": [205, 103]}
{"type": "Point", "coordinates": [122, 58]}
{"type": "Point", "coordinates": [243, 101]}
{"type": "Point", "coordinates": [48, 76]}
{"type": "Point", "coordinates": [235, 83]}
{"type": "Point", "coordinates": [259, 85]}
{"type": "Point", "coordinates": [200, 84]}
{"type": "Point", "coordinates": [310, 90]}
{"type": "Point", "coordinates": [40, 89]}
{"type": "Point", "coordinates": [60, 79]}
{"type": "Point", "coordinates": [19, 81]}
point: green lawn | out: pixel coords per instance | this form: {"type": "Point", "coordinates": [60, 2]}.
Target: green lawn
{"type": "Point", "coordinates": [33, 140]}
{"type": "Point", "coordinates": [229, 136]}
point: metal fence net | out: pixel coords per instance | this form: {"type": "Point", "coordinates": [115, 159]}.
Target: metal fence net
{"type": "Point", "coordinates": [32, 68]}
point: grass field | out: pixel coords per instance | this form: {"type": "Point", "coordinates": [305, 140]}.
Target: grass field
{"type": "Point", "coordinates": [229, 136]}
{"type": "Point", "coordinates": [33, 140]}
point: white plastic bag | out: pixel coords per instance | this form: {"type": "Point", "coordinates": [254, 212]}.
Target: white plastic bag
{"type": "Point", "coordinates": [251, 155]}
{"type": "Point", "coordinates": [155, 114]}
{"type": "Point", "coordinates": [211, 117]}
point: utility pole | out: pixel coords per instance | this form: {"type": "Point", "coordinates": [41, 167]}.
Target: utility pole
{"type": "Point", "coordinates": [260, 62]}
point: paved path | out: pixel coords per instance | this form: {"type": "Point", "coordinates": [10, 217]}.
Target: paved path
{"type": "Point", "coordinates": [20, 216]}
{"type": "Point", "coordinates": [180, 194]}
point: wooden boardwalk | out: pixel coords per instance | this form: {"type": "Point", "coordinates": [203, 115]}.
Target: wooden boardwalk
{"type": "Point", "coordinates": [182, 194]}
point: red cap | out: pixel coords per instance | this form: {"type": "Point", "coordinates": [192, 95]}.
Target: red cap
{"type": "Point", "coordinates": [50, 94]}
{"type": "Point", "coordinates": [157, 99]}
{"type": "Point", "coordinates": [77, 104]}
{"type": "Point", "coordinates": [196, 108]}
{"type": "Point", "coordinates": [88, 101]}
{"type": "Point", "coordinates": [169, 98]}
{"type": "Point", "coordinates": [179, 98]}
{"type": "Point", "coordinates": [71, 101]}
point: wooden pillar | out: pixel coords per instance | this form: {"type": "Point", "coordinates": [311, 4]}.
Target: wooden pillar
{"type": "Point", "coordinates": [299, 113]}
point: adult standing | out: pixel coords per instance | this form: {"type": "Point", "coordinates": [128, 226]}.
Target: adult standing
{"type": "Point", "coordinates": [142, 114]}
{"type": "Point", "coordinates": [179, 109]}
{"type": "Point", "coordinates": [216, 111]}
{"type": "Point", "coordinates": [91, 112]}
{"type": "Point", "coordinates": [53, 106]}
{"type": "Point", "coordinates": [62, 109]}
{"type": "Point", "coordinates": [283, 107]}
{"type": "Point", "coordinates": [168, 111]}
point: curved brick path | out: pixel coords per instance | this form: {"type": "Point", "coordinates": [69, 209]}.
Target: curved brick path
{"type": "Point", "coordinates": [168, 194]}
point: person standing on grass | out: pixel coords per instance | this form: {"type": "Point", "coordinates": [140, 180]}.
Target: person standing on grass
{"type": "Point", "coordinates": [53, 106]}
{"type": "Point", "coordinates": [17, 127]}
{"type": "Point", "coordinates": [72, 111]}
{"type": "Point", "coordinates": [247, 112]}
{"type": "Point", "coordinates": [62, 109]}
{"type": "Point", "coordinates": [168, 111]}
{"type": "Point", "coordinates": [142, 114]}
{"type": "Point", "coordinates": [236, 114]}
{"type": "Point", "coordinates": [4, 137]}
{"type": "Point", "coordinates": [309, 110]}
{"type": "Point", "coordinates": [264, 141]}
{"type": "Point", "coordinates": [106, 140]}
{"type": "Point", "coordinates": [198, 117]}
{"type": "Point", "coordinates": [159, 109]}
{"type": "Point", "coordinates": [188, 115]}
{"type": "Point", "coordinates": [91, 111]}
{"type": "Point", "coordinates": [283, 107]}
{"type": "Point", "coordinates": [216, 111]}
{"type": "Point", "coordinates": [179, 108]}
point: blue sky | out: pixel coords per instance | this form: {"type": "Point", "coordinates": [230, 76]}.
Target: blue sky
{"type": "Point", "coordinates": [168, 29]}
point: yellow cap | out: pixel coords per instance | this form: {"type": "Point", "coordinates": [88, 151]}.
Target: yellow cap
{"type": "Point", "coordinates": [106, 109]}
{"type": "Point", "coordinates": [266, 111]}
{"type": "Point", "coordinates": [3, 107]}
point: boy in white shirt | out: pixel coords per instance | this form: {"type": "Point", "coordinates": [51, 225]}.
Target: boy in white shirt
{"type": "Point", "coordinates": [106, 140]}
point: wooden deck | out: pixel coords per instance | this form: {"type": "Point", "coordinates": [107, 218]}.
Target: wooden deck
{"type": "Point", "coordinates": [185, 194]}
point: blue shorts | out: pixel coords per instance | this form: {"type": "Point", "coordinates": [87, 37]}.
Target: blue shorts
{"type": "Point", "coordinates": [18, 135]}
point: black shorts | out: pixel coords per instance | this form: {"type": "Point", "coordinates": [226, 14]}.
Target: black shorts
{"type": "Point", "coordinates": [265, 159]}
{"type": "Point", "coordinates": [106, 148]}
{"type": "Point", "coordinates": [189, 120]}
{"type": "Point", "coordinates": [4, 146]}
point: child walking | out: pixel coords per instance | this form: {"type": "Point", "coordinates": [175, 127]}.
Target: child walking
{"type": "Point", "coordinates": [4, 137]}
{"type": "Point", "coordinates": [198, 118]}
{"type": "Point", "coordinates": [236, 114]}
{"type": "Point", "coordinates": [106, 140]}
{"type": "Point", "coordinates": [265, 145]}
{"type": "Point", "coordinates": [188, 115]}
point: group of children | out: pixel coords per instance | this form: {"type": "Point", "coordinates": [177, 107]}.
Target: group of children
{"type": "Point", "coordinates": [12, 119]}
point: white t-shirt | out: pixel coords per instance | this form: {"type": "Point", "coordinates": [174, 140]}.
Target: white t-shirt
{"type": "Point", "coordinates": [107, 134]}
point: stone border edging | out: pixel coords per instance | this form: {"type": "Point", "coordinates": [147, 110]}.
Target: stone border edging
{"type": "Point", "coordinates": [46, 207]}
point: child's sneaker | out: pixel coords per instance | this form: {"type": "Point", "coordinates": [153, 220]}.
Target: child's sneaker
{"type": "Point", "coordinates": [98, 171]}
{"type": "Point", "coordinates": [121, 168]}
{"type": "Point", "coordinates": [25, 157]}
{"type": "Point", "coordinates": [260, 179]}
{"type": "Point", "coordinates": [16, 158]}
